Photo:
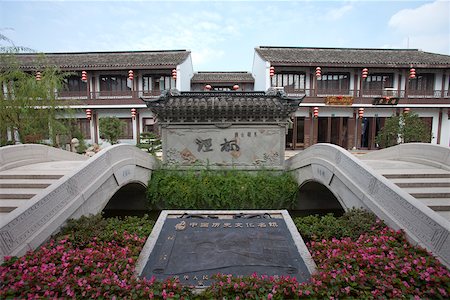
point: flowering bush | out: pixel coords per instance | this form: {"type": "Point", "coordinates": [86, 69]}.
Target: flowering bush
{"type": "Point", "coordinates": [97, 269]}
{"type": "Point", "coordinates": [378, 264]}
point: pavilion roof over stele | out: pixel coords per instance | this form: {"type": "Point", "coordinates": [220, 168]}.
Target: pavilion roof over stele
{"type": "Point", "coordinates": [222, 107]}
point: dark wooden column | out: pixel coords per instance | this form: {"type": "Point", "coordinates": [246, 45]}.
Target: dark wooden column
{"type": "Point", "coordinates": [307, 132]}
{"type": "Point", "coordinates": [351, 131]}
{"type": "Point", "coordinates": [439, 126]}
{"type": "Point", "coordinates": [294, 133]}
{"type": "Point", "coordinates": [372, 133]}
{"type": "Point", "coordinates": [406, 86]}
{"type": "Point", "coordinates": [341, 133]}
{"type": "Point", "coordinates": [95, 124]}
{"type": "Point", "coordinates": [138, 128]}
{"type": "Point", "coordinates": [315, 130]}
{"type": "Point", "coordinates": [329, 130]}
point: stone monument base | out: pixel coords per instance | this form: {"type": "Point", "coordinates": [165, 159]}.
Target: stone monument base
{"type": "Point", "coordinates": [193, 246]}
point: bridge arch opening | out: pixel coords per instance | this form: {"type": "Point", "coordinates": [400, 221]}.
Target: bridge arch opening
{"type": "Point", "coordinates": [129, 200]}
{"type": "Point", "coordinates": [316, 198]}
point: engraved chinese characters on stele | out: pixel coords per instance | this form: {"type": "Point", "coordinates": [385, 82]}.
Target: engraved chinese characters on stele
{"type": "Point", "coordinates": [193, 250]}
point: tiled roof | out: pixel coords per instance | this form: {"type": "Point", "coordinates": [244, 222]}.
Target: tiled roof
{"type": "Point", "coordinates": [104, 60]}
{"type": "Point", "coordinates": [226, 77]}
{"type": "Point", "coordinates": [352, 57]}
{"type": "Point", "coordinates": [222, 107]}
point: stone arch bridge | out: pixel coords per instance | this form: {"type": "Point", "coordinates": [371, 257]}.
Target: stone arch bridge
{"type": "Point", "coordinates": [41, 187]}
{"type": "Point", "coordinates": [408, 186]}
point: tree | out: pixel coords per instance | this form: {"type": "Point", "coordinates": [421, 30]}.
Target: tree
{"type": "Point", "coordinates": [111, 129]}
{"type": "Point", "coordinates": [29, 108]}
{"type": "Point", "coordinates": [405, 128]}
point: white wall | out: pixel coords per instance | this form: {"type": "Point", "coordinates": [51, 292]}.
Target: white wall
{"type": "Point", "coordinates": [185, 72]}
{"type": "Point", "coordinates": [445, 131]}
{"type": "Point", "coordinates": [260, 71]}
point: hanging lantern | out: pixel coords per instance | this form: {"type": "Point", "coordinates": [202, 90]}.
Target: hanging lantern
{"type": "Point", "coordinates": [412, 73]}
{"type": "Point", "coordinates": [133, 113]}
{"type": "Point", "coordinates": [406, 110]}
{"type": "Point", "coordinates": [84, 76]}
{"type": "Point", "coordinates": [361, 112]}
{"type": "Point", "coordinates": [131, 75]}
{"type": "Point", "coordinates": [235, 87]}
{"type": "Point", "coordinates": [88, 114]}
{"type": "Point", "coordinates": [174, 73]}
{"type": "Point", "coordinates": [208, 87]}
{"type": "Point", "coordinates": [365, 72]}
{"type": "Point", "coordinates": [272, 71]}
{"type": "Point", "coordinates": [318, 72]}
{"type": "Point", "coordinates": [38, 76]}
{"type": "Point", "coordinates": [315, 112]}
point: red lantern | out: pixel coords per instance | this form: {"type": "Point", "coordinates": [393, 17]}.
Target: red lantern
{"type": "Point", "coordinates": [88, 114]}
{"type": "Point", "coordinates": [365, 72]}
{"type": "Point", "coordinates": [38, 76]}
{"type": "Point", "coordinates": [131, 75]}
{"type": "Point", "coordinates": [318, 72]}
{"type": "Point", "coordinates": [361, 112]}
{"type": "Point", "coordinates": [208, 87]}
{"type": "Point", "coordinates": [84, 76]}
{"type": "Point", "coordinates": [315, 112]}
{"type": "Point", "coordinates": [133, 113]}
{"type": "Point", "coordinates": [412, 73]}
{"type": "Point", "coordinates": [174, 73]}
{"type": "Point", "coordinates": [272, 71]}
{"type": "Point", "coordinates": [406, 110]}
{"type": "Point", "coordinates": [235, 87]}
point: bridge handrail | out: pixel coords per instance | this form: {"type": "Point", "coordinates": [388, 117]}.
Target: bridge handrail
{"type": "Point", "coordinates": [28, 226]}
{"type": "Point", "coordinates": [437, 156]}
{"type": "Point", "coordinates": [14, 156]}
{"type": "Point", "coordinates": [389, 202]}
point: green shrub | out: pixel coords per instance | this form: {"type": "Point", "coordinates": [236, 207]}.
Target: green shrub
{"type": "Point", "coordinates": [111, 129]}
{"type": "Point", "coordinates": [352, 224]}
{"type": "Point", "coordinates": [82, 230]}
{"type": "Point", "coordinates": [230, 189]}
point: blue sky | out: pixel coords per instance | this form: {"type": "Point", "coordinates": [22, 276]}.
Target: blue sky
{"type": "Point", "coordinates": [222, 35]}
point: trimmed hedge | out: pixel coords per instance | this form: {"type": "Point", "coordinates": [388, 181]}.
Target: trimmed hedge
{"type": "Point", "coordinates": [231, 189]}
{"type": "Point", "coordinates": [352, 224]}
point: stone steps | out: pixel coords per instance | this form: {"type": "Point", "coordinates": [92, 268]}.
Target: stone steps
{"type": "Point", "coordinates": [417, 175]}
{"type": "Point", "coordinates": [25, 183]}
{"type": "Point", "coordinates": [430, 192]}
{"type": "Point", "coordinates": [421, 182]}
{"type": "Point", "coordinates": [19, 185]}
{"type": "Point", "coordinates": [14, 193]}
{"type": "Point", "coordinates": [431, 187]}
{"type": "Point", "coordinates": [30, 176]}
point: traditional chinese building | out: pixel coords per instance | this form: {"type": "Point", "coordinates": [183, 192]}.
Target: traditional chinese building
{"type": "Point", "coordinates": [351, 92]}
{"type": "Point", "coordinates": [222, 81]}
{"type": "Point", "coordinates": [105, 84]}
{"type": "Point", "coordinates": [239, 129]}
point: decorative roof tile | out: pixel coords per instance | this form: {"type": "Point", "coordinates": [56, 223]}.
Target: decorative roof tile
{"type": "Point", "coordinates": [222, 77]}
{"type": "Point", "coordinates": [352, 57]}
{"type": "Point", "coordinates": [222, 107]}
{"type": "Point", "coordinates": [104, 60]}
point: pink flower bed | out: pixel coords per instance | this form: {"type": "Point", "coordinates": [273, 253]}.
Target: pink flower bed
{"type": "Point", "coordinates": [99, 270]}
{"type": "Point", "coordinates": [380, 264]}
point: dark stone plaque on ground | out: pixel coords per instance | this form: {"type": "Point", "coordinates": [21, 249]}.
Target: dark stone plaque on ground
{"type": "Point", "coordinates": [195, 247]}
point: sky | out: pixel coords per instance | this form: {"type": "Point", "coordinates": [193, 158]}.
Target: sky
{"type": "Point", "coordinates": [222, 35]}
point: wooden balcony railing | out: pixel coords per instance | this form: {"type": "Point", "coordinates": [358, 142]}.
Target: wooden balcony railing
{"type": "Point", "coordinates": [312, 95]}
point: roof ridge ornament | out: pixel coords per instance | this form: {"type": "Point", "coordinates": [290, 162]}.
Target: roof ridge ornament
{"type": "Point", "coordinates": [276, 91]}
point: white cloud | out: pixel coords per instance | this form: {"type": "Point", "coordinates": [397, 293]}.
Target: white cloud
{"type": "Point", "coordinates": [336, 14]}
{"type": "Point", "coordinates": [426, 27]}
{"type": "Point", "coordinates": [430, 17]}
